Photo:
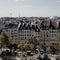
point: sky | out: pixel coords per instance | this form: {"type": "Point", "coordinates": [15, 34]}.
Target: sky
{"type": "Point", "coordinates": [28, 8]}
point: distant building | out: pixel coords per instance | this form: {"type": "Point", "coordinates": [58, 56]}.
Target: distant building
{"type": "Point", "coordinates": [44, 29]}
{"type": "Point", "coordinates": [27, 30]}
{"type": "Point", "coordinates": [12, 30]}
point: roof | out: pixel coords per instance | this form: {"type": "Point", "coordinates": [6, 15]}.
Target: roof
{"type": "Point", "coordinates": [11, 25]}
{"type": "Point", "coordinates": [27, 26]}
{"type": "Point", "coordinates": [44, 25]}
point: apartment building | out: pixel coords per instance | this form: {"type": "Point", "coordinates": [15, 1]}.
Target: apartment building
{"type": "Point", "coordinates": [44, 30]}
{"type": "Point", "coordinates": [49, 34]}
{"type": "Point", "coordinates": [11, 30]}
{"type": "Point", "coordinates": [2, 24]}
{"type": "Point", "coordinates": [27, 30]}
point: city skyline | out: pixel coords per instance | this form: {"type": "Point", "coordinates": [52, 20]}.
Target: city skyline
{"type": "Point", "coordinates": [29, 8]}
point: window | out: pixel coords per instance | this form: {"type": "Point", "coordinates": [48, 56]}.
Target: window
{"type": "Point", "coordinates": [47, 35]}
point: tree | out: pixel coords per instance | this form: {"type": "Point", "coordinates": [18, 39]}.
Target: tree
{"type": "Point", "coordinates": [20, 46]}
{"type": "Point", "coordinates": [4, 38]}
{"type": "Point", "coordinates": [25, 46]}
{"type": "Point", "coordinates": [31, 46]}
{"type": "Point", "coordinates": [53, 50]}
{"type": "Point", "coordinates": [28, 46]}
{"type": "Point", "coordinates": [33, 40]}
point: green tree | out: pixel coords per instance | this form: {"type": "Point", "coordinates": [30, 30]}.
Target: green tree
{"type": "Point", "coordinates": [25, 46]}
{"type": "Point", "coordinates": [28, 46]}
{"type": "Point", "coordinates": [31, 46]}
{"type": "Point", "coordinates": [53, 50]}
{"type": "Point", "coordinates": [4, 38]}
{"type": "Point", "coordinates": [33, 40]}
{"type": "Point", "coordinates": [20, 46]}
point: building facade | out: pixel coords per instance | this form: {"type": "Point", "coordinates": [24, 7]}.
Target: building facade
{"type": "Point", "coordinates": [47, 31]}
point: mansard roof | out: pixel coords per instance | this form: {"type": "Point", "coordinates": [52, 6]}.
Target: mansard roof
{"type": "Point", "coordinates": [44, 25]}
{"type": "Point", "coordinates": [27, 26]}
{"type": "Point", "coordinates": [11, 25]}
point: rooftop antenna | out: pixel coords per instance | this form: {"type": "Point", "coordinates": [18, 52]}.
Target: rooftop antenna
{"type": "Point", "coordinates": [19, 15]}
{"type": "Point", "coordinates": [10, 12]}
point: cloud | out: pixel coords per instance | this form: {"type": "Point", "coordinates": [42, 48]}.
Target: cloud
{"type": "Point", "coordinates": [58, 1]}
{"type": "Point", "coordinates": [19, 0]}
{"type": "Point", "coordinates": [26, 6]}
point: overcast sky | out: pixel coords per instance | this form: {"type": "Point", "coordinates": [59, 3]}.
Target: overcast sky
{"type": "Point", "coordinates": [29, 8]}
